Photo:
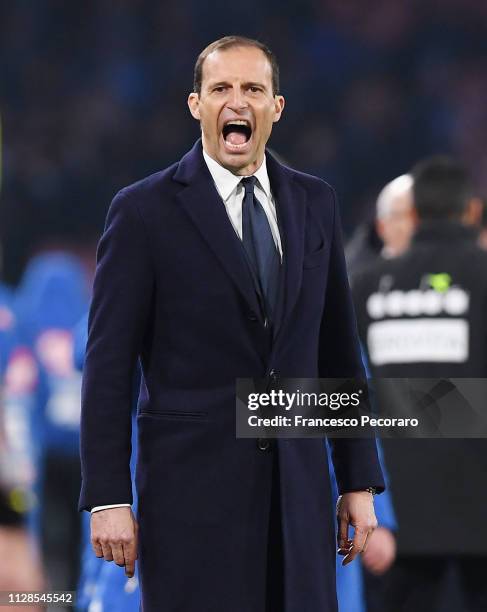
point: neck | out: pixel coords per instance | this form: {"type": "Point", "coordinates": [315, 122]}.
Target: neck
{"type": "Point", "coordinates": [249, 169]}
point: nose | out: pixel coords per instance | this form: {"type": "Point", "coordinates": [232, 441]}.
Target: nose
{"type": "Point", "coordinates": [236, 100]}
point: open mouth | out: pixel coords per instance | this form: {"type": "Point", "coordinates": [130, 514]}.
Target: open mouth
{"type": "Point", "coordinates": [237, 133]}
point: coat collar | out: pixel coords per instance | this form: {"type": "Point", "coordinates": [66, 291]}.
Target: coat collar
{"type": "Point", "coordinates": [201, 201]}
{"type": "Point", "coordinates": [226, 182]}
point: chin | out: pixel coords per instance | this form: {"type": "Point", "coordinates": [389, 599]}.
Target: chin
{"type": "Point", "coordinates": [234, 160]}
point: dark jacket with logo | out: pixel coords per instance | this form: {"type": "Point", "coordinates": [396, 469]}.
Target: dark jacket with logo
{"type": "Point", "coordinates": [423, 315]}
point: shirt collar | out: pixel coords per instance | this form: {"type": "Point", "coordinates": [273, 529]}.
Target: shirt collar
{"type": "Point", "coordinates": [226, 182]}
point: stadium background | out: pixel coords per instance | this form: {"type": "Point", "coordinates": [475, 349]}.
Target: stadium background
{"type": "Point", "coordinates": [92, 97]}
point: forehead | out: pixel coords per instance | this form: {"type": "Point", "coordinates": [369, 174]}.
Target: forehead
{"type": "Point", "coordinates": [237, 63]}
{"type": "Point", "coordinates": [399, 205]}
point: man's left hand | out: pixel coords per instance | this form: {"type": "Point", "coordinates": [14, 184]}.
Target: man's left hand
{"type": "Point", "coordinates": [354, 509]}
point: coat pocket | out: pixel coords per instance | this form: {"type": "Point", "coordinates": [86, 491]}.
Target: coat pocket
{"type": "Point", "coordinates": [315, 258]}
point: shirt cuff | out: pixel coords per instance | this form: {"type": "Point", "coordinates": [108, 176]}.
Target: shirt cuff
{"type": "Point", "coordinates": [96, 508]}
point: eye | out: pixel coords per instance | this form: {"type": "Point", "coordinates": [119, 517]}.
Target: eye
{"type": "Point", "coordinates": [254, 89]}
{"type": "Point", "coordinates": [219, 89]}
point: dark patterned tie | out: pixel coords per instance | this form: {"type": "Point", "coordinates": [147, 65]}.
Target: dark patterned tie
{"type": "Point", "coordinates": [260, 246]}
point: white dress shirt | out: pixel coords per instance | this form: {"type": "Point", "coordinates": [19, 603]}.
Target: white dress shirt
{"type": "Point", "coordinates": [232, 192]}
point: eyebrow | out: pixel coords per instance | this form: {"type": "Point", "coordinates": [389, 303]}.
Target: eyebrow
{"type": "Point", "coordinates": [218, 84]}
{"type": "Point", "coordinates": [255, 84]}
{"type": "Point", "coordinates": [227, 84]}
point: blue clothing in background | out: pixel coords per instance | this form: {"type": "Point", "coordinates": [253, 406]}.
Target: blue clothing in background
{"type": "Point", "coordinates": [8, 334]}
{"type": "Point", "coordinates": [51, 299]}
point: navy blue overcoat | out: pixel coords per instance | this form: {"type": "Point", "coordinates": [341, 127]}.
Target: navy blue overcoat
{"type": "Point", "coordinates": [173, 288]}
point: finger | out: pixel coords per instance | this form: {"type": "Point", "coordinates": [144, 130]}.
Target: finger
{"type": "Point", "coordinates": [130, 555]}
{"type": "Point", "coordinates": [118, 554]}
{"type": "Point", "coordinates": [346, 548]}
{"type": "Point", "coordinates": [107, 551]}
{"type": "Point", "coordinates": [97, 548]}
{"type": "Point", "coordinates": [357, 545]}
{"type": "Point", "coordinates": [359, 540]}
{"type": "Point", "coordinates": [342, 534]}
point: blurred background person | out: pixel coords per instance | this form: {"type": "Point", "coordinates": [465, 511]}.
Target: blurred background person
{"type": "Point", "coordinates": [390, 233]}
{"type": "Point", "coordinates": [423, 315]}
{"type": "Point", "coordinates": [394, 218]}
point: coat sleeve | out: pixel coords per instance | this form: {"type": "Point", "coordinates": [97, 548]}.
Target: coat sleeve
{"type": "Point", "coordinates": [119, 315]}
{"type": "Point", "coordinates": [355, 461]}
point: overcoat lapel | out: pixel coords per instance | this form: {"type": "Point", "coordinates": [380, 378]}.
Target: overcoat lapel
{"type": "Point", "coordinates": [290, 200]}
{"type": "Point", "coordinates": [203, 204]}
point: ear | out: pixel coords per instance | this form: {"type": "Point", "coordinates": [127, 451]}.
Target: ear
{"type": "Point", "coordinates": [379, 228]}
{"type": "Point", "coordinates": [473, 212]}
{"type": "Point", "coordinates": [279, 104]}
{"type": "Point", "coordinates": [194, 105]}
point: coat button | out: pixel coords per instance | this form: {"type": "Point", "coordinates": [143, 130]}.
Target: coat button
{"type": "Point", "coordinates": [252, 316]}
{"type": "Point", "coordinates": [273, 375]}
{"type": "Point", "coordinates": [263, 444]}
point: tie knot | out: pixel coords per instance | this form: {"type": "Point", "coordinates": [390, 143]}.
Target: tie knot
{"type": "Point", "coordinates": [249, 183]}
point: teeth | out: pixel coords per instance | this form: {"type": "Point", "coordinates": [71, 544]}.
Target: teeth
{"type": "Point", "coordinates": [237, 122]}
{"type": "Point", "coordinates": [236, 146]}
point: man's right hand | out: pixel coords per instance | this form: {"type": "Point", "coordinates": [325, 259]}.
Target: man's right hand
{"type": "Point", "coordinates": [114, 537]}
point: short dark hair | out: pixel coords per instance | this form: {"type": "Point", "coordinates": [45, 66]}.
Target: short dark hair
{"type": "Point", "coordinates": [441, 188]}
{"type": "Point", "coordinates": [227, 42]}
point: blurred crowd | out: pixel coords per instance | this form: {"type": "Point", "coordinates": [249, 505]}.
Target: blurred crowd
{"type": "Point", "coordinates": [92, 97]}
